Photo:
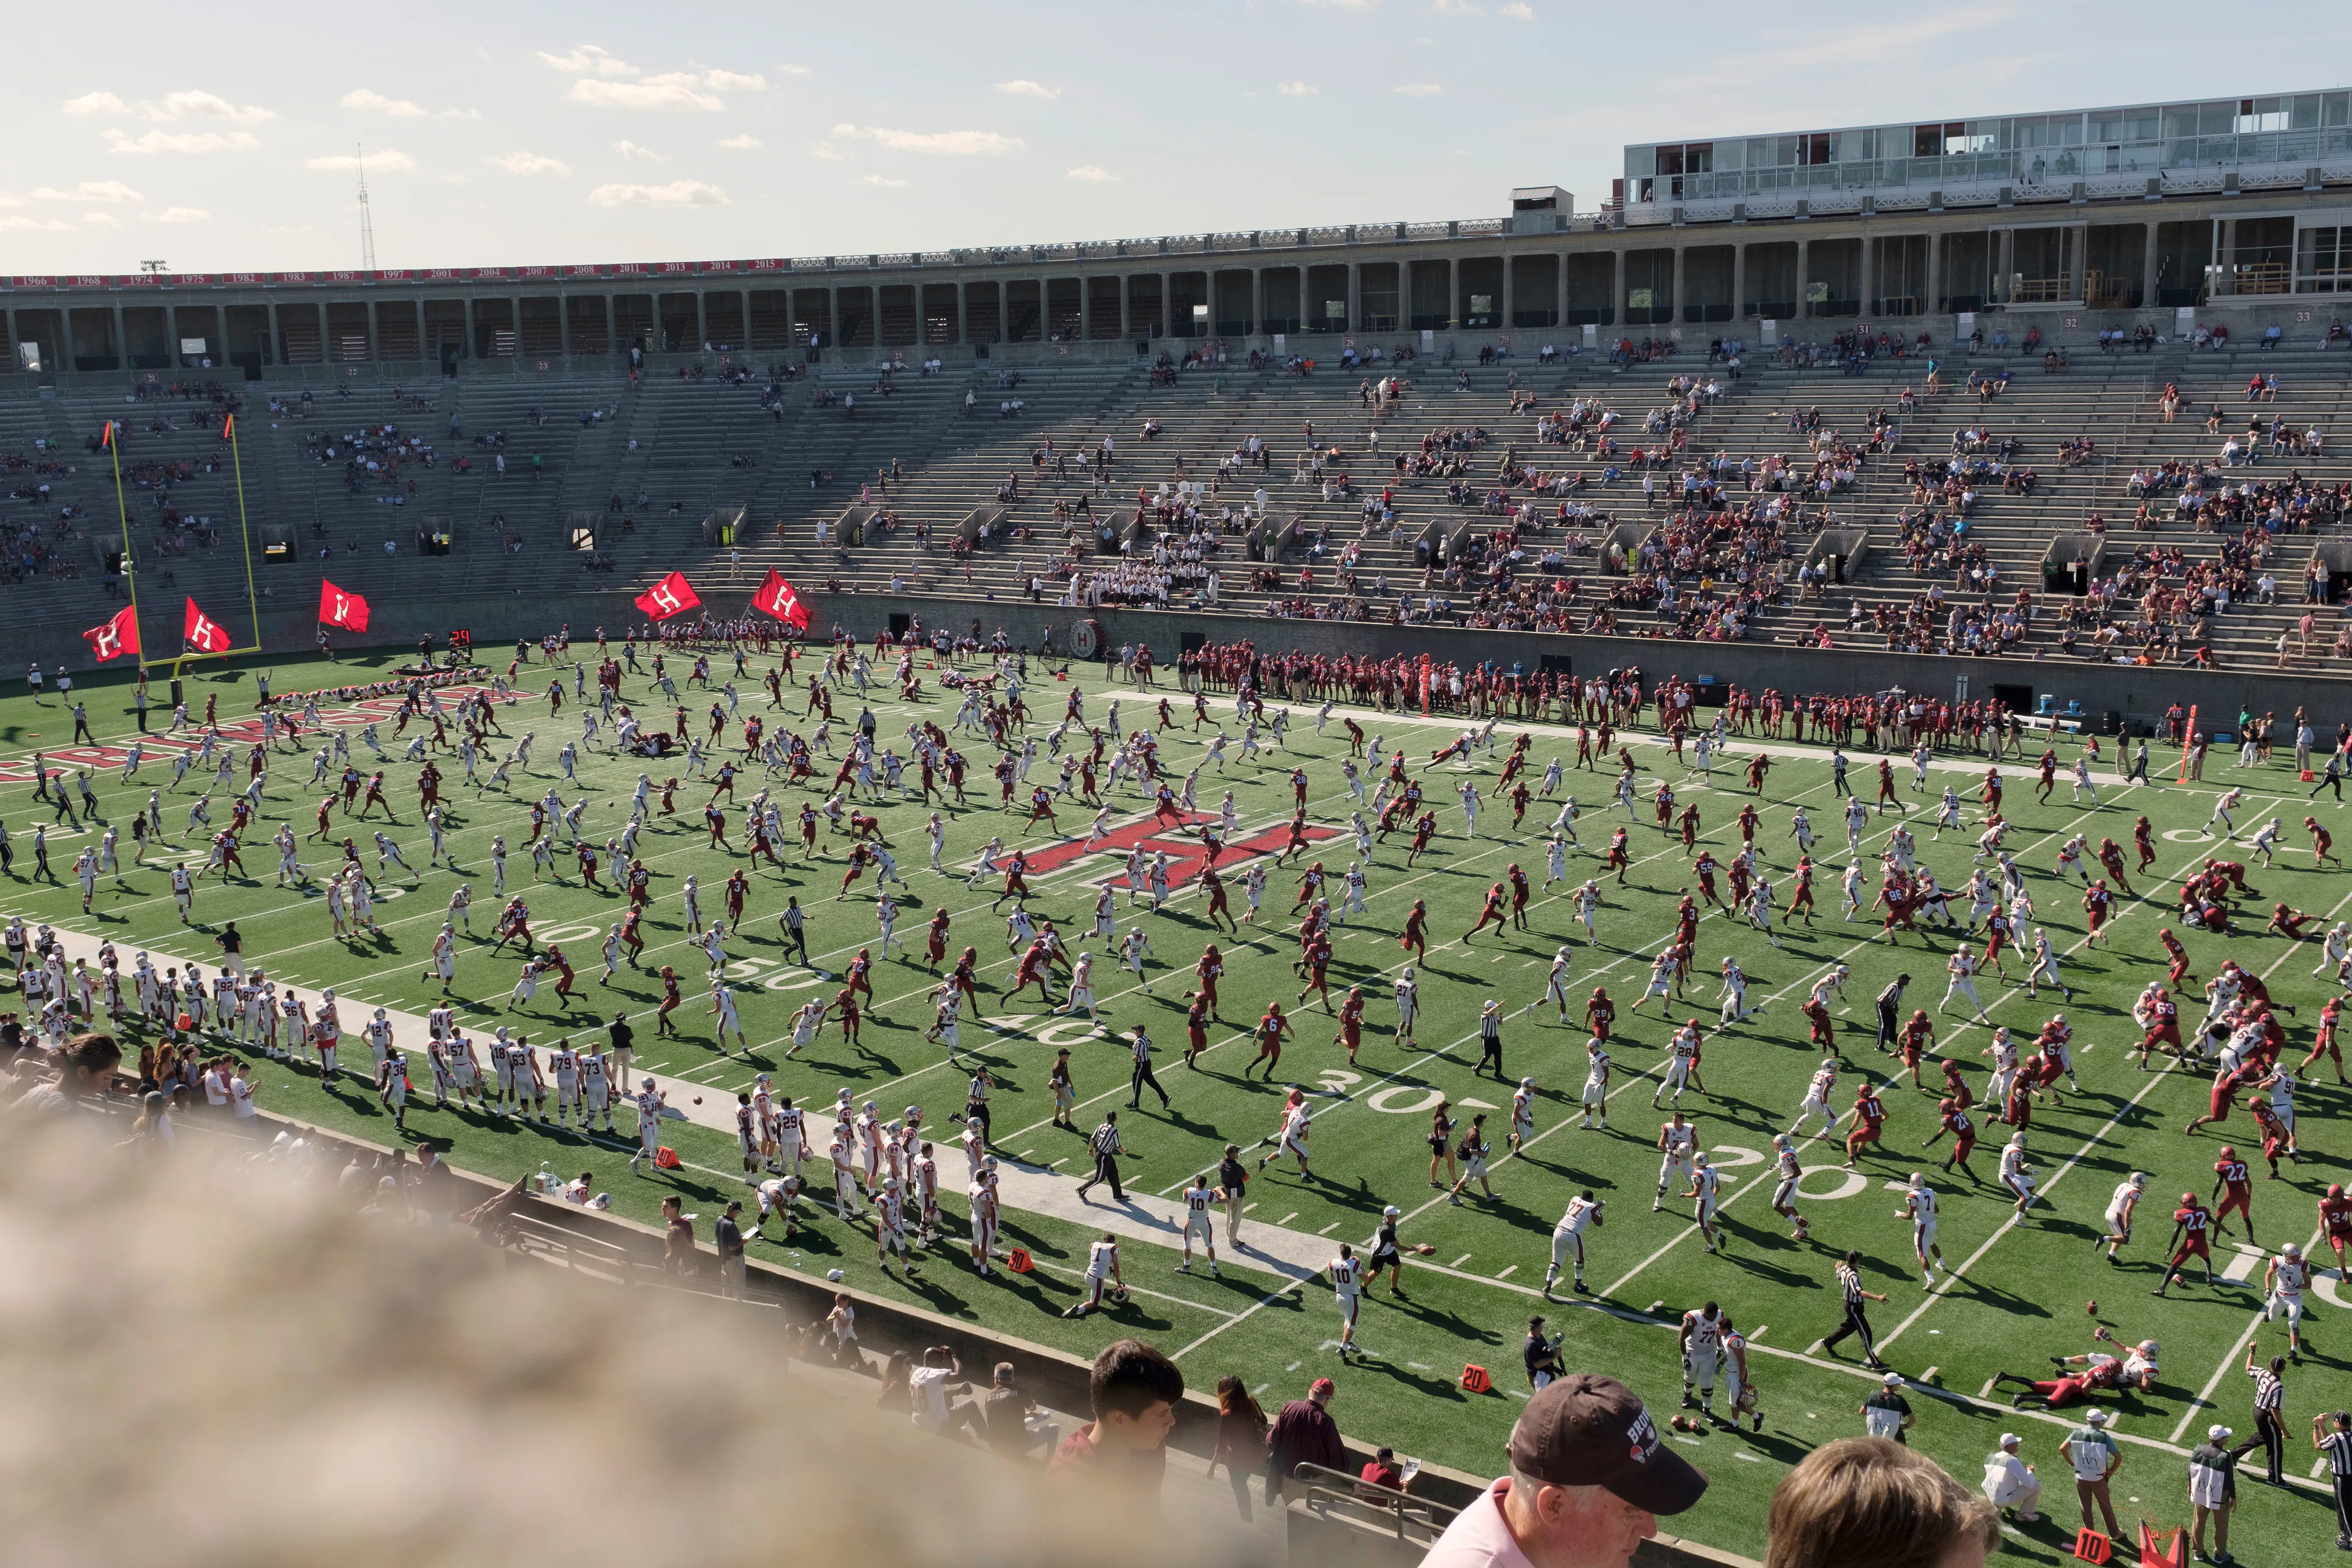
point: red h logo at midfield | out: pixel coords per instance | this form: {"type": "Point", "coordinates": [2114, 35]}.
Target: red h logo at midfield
{"type": "Point", "coordinates": [1186, 854]}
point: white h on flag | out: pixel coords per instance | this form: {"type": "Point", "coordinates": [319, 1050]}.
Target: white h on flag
{"type": "Point", "coordinates": [108, 642]}
{"type": "Point", "coordinates": [200, 631]}
{"type": "Point", "coordinates": [665, 597]}
{"type": "Point", "coordinates": [342, 607]}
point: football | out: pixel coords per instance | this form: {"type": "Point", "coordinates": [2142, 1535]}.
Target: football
{"type": "Point", "coordinates": [2092, 1307]}
{"type": "Point", "coordinates": [697, 1100]}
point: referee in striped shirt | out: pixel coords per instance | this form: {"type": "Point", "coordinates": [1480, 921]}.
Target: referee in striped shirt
{"type": "Point", "coordinates": [2269, 1413]}
{"type": "Point", "coordinates": [1108, 1149]}
{"type": "Point", "coordinates": [2332, 1435]}
{"type": "Point", "coordinates": [1849, 1279]}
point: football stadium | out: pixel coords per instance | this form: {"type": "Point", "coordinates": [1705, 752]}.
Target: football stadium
{"type": "Point", "coordinates": [1434, 804]}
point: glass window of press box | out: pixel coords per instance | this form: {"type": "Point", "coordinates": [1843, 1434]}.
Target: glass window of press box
{"type": "Point", "coordinates": [2288, 130]}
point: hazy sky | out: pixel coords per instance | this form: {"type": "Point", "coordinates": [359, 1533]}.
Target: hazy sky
{"type": "Point", "coordinates": [222, 139]}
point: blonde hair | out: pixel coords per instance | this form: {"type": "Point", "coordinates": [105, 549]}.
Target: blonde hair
{"type": "Point", "coordinates": [1869, 1502]}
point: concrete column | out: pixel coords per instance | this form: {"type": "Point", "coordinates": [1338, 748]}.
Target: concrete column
{"type": "Point", "coordinates": [1933, 298]}
{"type": "Point", "coordinates": [2225, 257]}
{"type": "Point", "coordinates": [1356, 298]}
{"type": "Point", "coordinates": [1504, 303]}
{"type": "Point", "coordinates": [1617, 290]}
{"type": "Point", "coordinates": [2006, 269]}
{"type": "Point", "coordinates": [1454, 293]}
{"type": "Point", "coordinates": [1086, 309]}
{"type": "Point", "coordinates": [2079, 236]}
{"type": "Point", "coordinates": [1803, 302]}
{"type": "Point", "coordinates": [701, 320]}
{"type": "Point", "coordinates": [514, 325]}
{"type": "Point", "coordinates": [614, 348]}
{"type": "Point", "coordinates": [1739, 282]}
{"type": "Point", "coordinates": [1257, 299]}
{"type": "Point", "coordinates": [2147, 267]}
{"type": "Point", "coordinates": [122, 341]}
{"type": "Point", "coordinates": [1867, 280]}
{"type": "Point", "coordinates": [1560, 288]}
{"type": "Point", "coordinates": [1681, 310]}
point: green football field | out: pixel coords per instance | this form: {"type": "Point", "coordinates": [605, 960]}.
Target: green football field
{"type": "Point", "coordinates": [2018, 1294]}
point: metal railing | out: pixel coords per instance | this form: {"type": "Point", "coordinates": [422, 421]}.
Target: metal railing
{"type": "Point", "coordinates": [1352, 1500]}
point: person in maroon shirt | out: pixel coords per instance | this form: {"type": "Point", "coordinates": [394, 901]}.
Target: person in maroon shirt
{"type": "Point", "coordinates": [1134, 1392]}
{"type": "Point", "coordinates": [1304, 1434]}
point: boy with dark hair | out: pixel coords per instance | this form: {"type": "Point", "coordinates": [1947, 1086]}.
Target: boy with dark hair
{"type": "Point", "coordinates": [1134, 1392]}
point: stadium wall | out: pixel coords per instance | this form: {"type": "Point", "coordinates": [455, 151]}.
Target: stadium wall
{"type": "Point", "coordinates": [2139, 693]}
{"type": "Point", "coordinates": [598, 1240]}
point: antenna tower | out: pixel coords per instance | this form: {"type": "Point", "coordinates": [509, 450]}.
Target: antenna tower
{"type": "Point", "coordinates": [367, 225]}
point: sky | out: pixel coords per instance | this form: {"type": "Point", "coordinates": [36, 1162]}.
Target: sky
{"type": "Point", "coordinates": [526, 134]}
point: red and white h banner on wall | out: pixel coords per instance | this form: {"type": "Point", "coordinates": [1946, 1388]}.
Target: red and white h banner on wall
{"type": "Point", "coordinates": [778, 598]}
{"type": "Point", "coordinates": [673, 596]}
{"type": "Point", "coordinates": [338, 608]}
{"type": "Point", "coordinates": [115, 635]}
{"type": "Point", "coordinates": [202, 634]}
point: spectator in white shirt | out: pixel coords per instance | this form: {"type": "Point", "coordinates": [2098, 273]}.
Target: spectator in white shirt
{"type": "Point", "coordinates": [929, 1386]}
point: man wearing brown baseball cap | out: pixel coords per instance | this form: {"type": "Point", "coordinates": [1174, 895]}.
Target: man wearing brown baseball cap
{"type": "Point", "coordinates": [1589, 1476]}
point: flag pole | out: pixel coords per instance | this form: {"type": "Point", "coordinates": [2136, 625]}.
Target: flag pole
{"type": "Point", "coordinates": [245, 534]}
{"type": "Point", "coordinates": [122, 509]}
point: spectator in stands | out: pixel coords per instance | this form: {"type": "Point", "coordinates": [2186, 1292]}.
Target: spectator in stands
{"type": "Point", "coordinates": [929, 1386]}
{"type": "Point", "coordinates": [87, 1074]}
{"type": "Point", "coordinates": [1590, 1476]}
{"type": "Point", "coordinates": [1016, 1423]}
{"type": "Point", "coordinates": [1134, 1391]}
{"type": "Point", "coordinates": [1241, 1439]}
{"type": "Point", "coordinates": [1383, 1470]}
{"type": "Point", "coordinates": [1303, 1434]}
{"type": "Point", "coordinates": [1866, 1503]}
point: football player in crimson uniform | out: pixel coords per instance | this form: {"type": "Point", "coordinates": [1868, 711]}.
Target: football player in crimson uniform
{"type": "Point", "coordinates": [2191, 1238]}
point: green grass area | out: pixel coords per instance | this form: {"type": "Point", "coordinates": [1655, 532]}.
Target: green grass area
{"type": "Point", "coordinates": [2021, 1298]}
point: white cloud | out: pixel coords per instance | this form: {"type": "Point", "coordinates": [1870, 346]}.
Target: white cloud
{"type": "Point", "coordinates": [1091, 171]}
{"type": "Point", "coordinates": [676, 193]}
{"type": "Point", "coordinates": [734, 81]}
{"type": "Point", "coordinates": [1027, 88]}
{"type": "Point", "coordinates": [461, 114]}
{"type": "Point", "coordinates": [956, 143]}
{"type": "Point", "coordinates": [520, 162]}
{"type": "Point", "coordinates": [885, 181]}
{"type": "Point", "coordinates": [182, 214]}
{"type": "Point", "coordinates": [746, 143]}
{"type": "Point", "coordinates": [793, 71]}
{"type": "Point", "coordinates": [1418, 89]}
{"type": "Point", "coordinates": [828, 152]}
{"type": "Point", "coordinates": [383, 161]}
{"type": "Point", "coordinates": [179, 140]}
{"type": "Point", "coordinates": [209, 106]}
{"type": "Point", "coordinates": [1457, 7]}
{"type": "Point", "coordinates": [365, 98]}
{"type": "Point", "coordinates": [1518, 12]}
{"type": "Point", "coordinates": [588, 58]}
{"type": "Point", "coordinates": [19, 221]}
{"type": "Point", "coordinates": [90, 191]}
{"type": "Point", "coordinates": [1341, 4]}
{"type": "Point", "coordinates": [674, 91]}
{"type": "Point", "coordinates": [633, 152]}
{"type": "Point", "coordinates": [104, 220]}
{"type": "Point", "coordinates": [177, 105]}
{"type": "Point", "coordinates": [1296, 89]}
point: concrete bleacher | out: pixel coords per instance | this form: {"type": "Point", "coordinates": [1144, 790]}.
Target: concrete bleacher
{"type": "Point", "coordinates": [666, 454]}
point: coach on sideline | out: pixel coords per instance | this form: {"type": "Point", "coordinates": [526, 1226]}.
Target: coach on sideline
{"type": "Point", "coordinates": [1590, 1476]}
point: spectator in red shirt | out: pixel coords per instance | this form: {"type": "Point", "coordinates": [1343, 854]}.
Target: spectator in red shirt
{"type": "Point", "coordinates": [1304, 1434]}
